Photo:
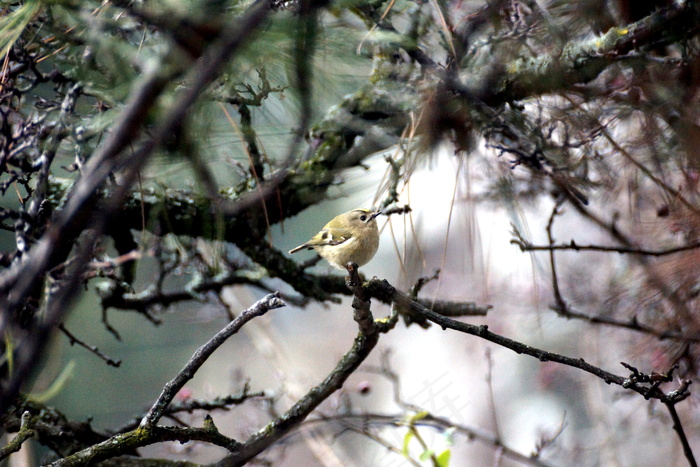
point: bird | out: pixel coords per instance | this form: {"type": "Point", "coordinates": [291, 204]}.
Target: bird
{"type": "Point", "coordinates": [349, 237]}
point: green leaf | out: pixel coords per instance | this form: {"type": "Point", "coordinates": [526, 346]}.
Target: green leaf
{"type": "Point", "coordinates": [417, 417]}
{"type": "Point", "coordinates": [443, 460]}
{"type": "Point", "coordinates": [406, 440]}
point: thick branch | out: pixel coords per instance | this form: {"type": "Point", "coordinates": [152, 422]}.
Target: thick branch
{"type": "Point", "coordinates": [580, 62]}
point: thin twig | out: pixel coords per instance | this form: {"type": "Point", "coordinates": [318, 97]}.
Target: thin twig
{"type": "Point", "coordinates": [678, 427]}
{"type": "Point", "coordinates": [632, 324]}
{"type": "Point", "coordinates": [432, 421]}
{"type": "Point", "coordinates": [552, 263]}
{"type": "Point", "coordinates": [573, 246]}
{"type": "Point", "coordinates": [74, 340]}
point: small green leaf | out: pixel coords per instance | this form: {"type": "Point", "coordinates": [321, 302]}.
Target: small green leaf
{"type": "Point", "coordinates": [443, 460]}
{"type": "Point", "coordinates": [425, 456]}
{"type": "Point", "coordinates": [417, 417]}
{"type": "Point", "coordinates": [406, 440]}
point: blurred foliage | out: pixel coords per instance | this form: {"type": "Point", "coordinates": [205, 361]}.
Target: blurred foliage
{"type": "Point", "coordinates": [147, 147]}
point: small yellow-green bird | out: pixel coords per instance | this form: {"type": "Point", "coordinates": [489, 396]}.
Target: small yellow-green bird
{"type": "Point", "coordinates": [351, 236]}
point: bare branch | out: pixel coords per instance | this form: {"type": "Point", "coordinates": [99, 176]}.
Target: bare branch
{"type": "Point", "coordinates": [25, 432]}
{"type": "Point", "coordinates": [678, 427]}
{"type": "Point", "coordinates": [74, 340]}
{"type": "Point", "coordinates": [171, 389]}
{"type": "Point", "coordinates": [381, 288]}
{"type": "Point", "coordinates": [525, 245]}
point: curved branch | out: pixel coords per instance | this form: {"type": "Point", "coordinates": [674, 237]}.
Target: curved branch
{"type": "Point", "coordinates": [171, 389]}
{"type": "Point", "coordinates": [382, 288]}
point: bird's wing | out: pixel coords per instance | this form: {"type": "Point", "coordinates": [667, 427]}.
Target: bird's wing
{"type": "Point", "coordinates": [325, 237]}
{"type": "Point", "coordinates": [330, 237]}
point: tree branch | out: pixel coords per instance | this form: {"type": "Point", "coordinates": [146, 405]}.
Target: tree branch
{"type": "Point", "coordinates": [579, 62]}
{"type": "Point", "coordinates": [382, 288]}
{"type": "Point", "coordinates": [171, 389]}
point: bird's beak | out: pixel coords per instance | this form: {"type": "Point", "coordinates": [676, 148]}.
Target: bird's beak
{"type": "Point", "coordinates": [375, 214]}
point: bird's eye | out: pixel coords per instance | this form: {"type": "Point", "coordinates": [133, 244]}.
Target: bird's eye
{"type": "Point", "coordinates": [363, 218]}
